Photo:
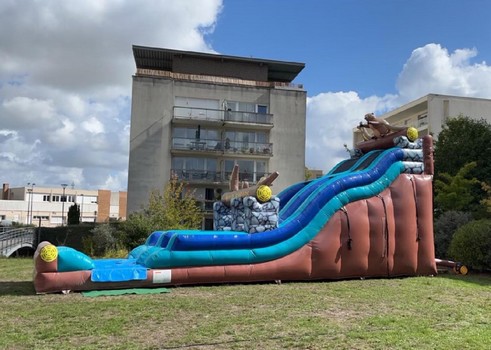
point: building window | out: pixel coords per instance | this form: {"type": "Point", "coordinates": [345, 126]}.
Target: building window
{"type": "Point", "coordinates": [237, 106]}
{"type": "Point", "coordinates": [192, 168]}
{"type": "Point", "coordinates": [208, 224]}
{"type": "Point", "coordinates": [246, 141]}
{"type": "Point", "coordinates": [194, 138]}
{"type": "Point", "coordinates": [249, 170]}
{"type": "Point", "coordinates": [197, 108]}
{"type": "Point", "coordinates": [262, 109]}
{"type": "Point", "coordinates": [55, 198]}
{"type": "Point", "coordinates": [46, 198]}
{"type": "Point", "coordinates": [422, 120]}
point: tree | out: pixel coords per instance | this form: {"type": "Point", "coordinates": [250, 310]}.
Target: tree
{"type": "Point", "coordinates": [73, 215]}
{"type": "Point", "coordinates": [487, 200]}
{"type": "Point", "coordinates": [461, 141]}
{"type": "Point", "coordinates": [175, 208]}
{"type": "Point", "coordinates": [308, 174]}
{"type": "Point", "coordinates": [458, 192]}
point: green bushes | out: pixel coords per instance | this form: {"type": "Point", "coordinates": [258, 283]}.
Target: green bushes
{"type": "Point", "coordinates": [471, 245]}
{"type": "Point", "coordinates": [103, 242]}
{"type": "Point", "coordinates": [70, 236]}
{"type": "Point", "coordinates": [445, 227]}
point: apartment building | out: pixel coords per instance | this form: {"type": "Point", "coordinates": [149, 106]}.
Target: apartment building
{"type": "Point", "coordinates": [48, 206]}
{"type": "Point", "coordinates": [430, 112]}
{"type": "Point", "coordinates": [194, 115]}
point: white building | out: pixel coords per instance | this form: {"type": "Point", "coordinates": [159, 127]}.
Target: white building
{"type": "Point", "coordinates": [430, 112]}
{"type": "Point", "coordinates": [45, 206]}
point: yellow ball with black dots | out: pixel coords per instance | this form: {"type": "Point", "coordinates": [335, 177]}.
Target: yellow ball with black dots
{"type": "Point", "coordinates": [49, 253]}
{"type": "Point", "coordinates": [412, 134]}
{"type": "Point", "coordinates": [264, 193]}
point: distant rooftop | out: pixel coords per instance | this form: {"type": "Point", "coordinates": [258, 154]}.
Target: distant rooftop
{"type": "Point", "coordinates": [165, 59]}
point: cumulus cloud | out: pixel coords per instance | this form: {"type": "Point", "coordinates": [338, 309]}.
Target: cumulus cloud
{"type": "Point", "coordinates": [65, 82]}
{"type": "Point", "coordinates": [429, 69]}
{"type": "Point", "coordinates": [432, 69]}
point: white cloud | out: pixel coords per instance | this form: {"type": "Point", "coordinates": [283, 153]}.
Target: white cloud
{"type": "Point", "coordinates": [93, 126]}
{"type": "Point", "coordinates": [430, 69]}
{"type": "Point", "coordinates": [23, 112]}
{"type": "Point", "coordinates": [65, 82]}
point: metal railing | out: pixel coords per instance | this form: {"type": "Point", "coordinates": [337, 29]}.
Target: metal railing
{"type": "Point", "coordinates": [224, 146]}
{"type": "Point", "coordinates": [14, 239]}
{"type": "Point", "coordinates": [222, 115]}
{"type": "Point", "coordinates": [215, 176]}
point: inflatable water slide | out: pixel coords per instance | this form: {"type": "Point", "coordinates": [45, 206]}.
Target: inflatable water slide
{"type": "Point", "coordinates": [370, 216]}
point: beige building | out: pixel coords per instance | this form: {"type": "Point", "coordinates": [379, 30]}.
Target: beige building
{"type": "Point", "coordinates": [195, 115]}
{"type": "Point", "coordinates": [430, 112]}
{"type": "Point", "coordinates": [48, 206]}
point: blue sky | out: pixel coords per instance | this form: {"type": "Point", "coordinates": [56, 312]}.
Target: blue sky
{"type": "Point", "coordinates": [350, 44]}
{"type": "Point", "coordinates": [66, 67]}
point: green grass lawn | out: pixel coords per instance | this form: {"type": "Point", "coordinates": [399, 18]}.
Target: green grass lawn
{"type": "Point", "coordinates": [444, 312]}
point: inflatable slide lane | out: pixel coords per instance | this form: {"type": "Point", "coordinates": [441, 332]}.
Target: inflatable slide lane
{"type": "Point", "coordinates": [370, 216]}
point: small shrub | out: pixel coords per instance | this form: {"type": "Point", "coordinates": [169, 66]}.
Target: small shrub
{"type": "Point", "coordinates": [445, 227]}
{"type": "Point", "coordinates": [471, 245]}
{"type": "Point", "coordinates": [103, 239]}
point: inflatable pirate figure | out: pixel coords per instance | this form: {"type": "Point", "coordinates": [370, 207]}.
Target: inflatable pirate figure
{"type": "Point", "coordinates": [378, 127]}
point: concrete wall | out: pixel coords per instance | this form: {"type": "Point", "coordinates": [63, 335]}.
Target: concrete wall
{"type": "Point", "coordinates": [149, 161]}
{"type": "Point", "coordinates": [440, 107]}
{"type": "Point", "coordinates": [288, 137]}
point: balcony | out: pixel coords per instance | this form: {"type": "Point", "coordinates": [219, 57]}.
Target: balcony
{"type": "Point", "coordinates": [221, 116]}
{"type": "Point", "coordinates": [222, 146]}
{"type": "Point", "coordinates": [197, 176]}
{"type": "Point", "coordinates": [221, 177]}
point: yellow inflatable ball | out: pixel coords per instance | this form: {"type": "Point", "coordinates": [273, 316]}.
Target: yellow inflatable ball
{"type": "Point", "coordinates": [49, 253]}
{"type": "Point", "coordinates": [412, 134]}
{"type": "Point", "coordinates": [264, 193]}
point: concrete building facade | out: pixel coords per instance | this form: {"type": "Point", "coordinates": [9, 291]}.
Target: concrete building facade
{"type": "Point", "coordinates": [430, 112]}
{"type": "Point", "coordinates": [48, 206]}
{"type": "Point", "coordinates": [195, 115]}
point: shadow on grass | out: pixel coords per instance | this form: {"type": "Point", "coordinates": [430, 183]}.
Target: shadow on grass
{"type": "Point", "coordinates": [482, 279]}
{"type": "Point", "coordinates": [17, 288]}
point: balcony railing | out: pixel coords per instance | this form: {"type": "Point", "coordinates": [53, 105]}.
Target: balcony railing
{"type": "Point", "coordinates": [215, 176]}
{"type": "Point", "coordinates": [223, 146]}
{"type": "Point", "coordinates": [222, 115]}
